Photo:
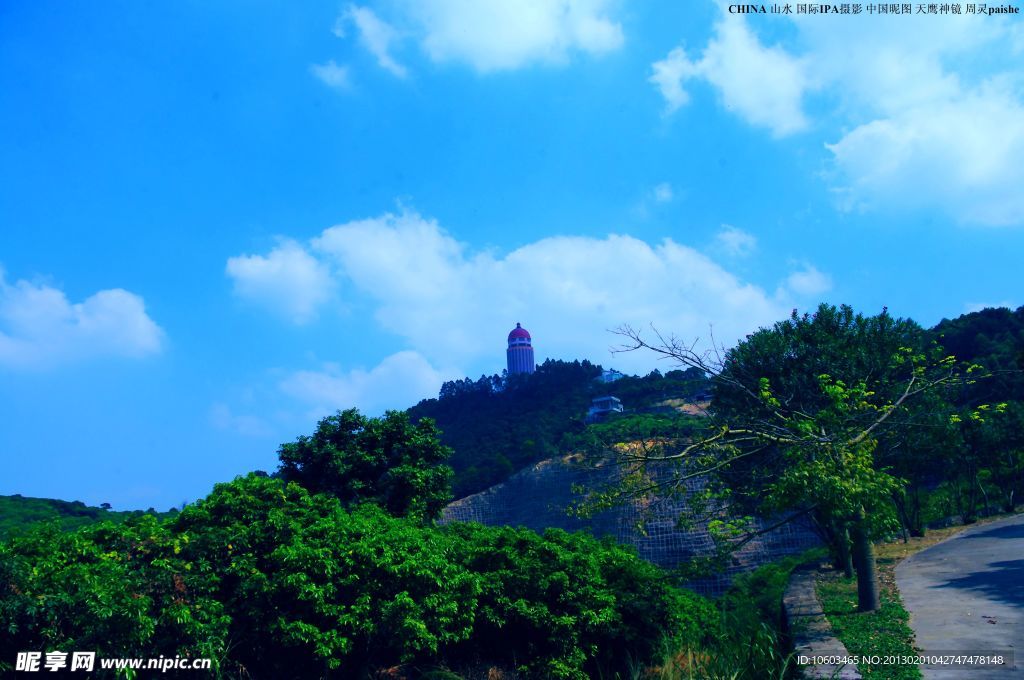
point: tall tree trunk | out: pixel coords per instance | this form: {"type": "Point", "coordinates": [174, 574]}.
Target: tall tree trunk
{"type": "Point", "coordinates": [845, 554]}
{"type": "Point", "coordinates": [864, 562]}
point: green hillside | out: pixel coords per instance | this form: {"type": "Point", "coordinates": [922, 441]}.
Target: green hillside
{"type": "Point", "coordinates": [18, 513]}
{"type": "Point", "coordinates": [994, 338]}
{"type": "Point", "coordinates": [497, 426]}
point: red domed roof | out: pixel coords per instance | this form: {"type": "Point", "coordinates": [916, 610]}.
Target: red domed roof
{"type": "Point", "coordinates": [518, 332]}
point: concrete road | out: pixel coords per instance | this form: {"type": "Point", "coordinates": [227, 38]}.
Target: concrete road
{"type": "Point", "coordinates": [966, 595]}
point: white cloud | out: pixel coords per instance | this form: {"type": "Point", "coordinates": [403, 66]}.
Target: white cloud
{"type": "Point", "coordinates": [669, 76]}
{"type": "Point", "coordinates": [764, 85]}
{"type": "Point", "coordinates": [936, 115]}
{"type": "Point", "coordinates": [808, 282]}
{"type": "Point", "coordinates": [455, 306]}
{"type": "Point", "coordinates": [734, 241]}
{"type": "Point", "coordinates": [288, 280]}
{"type": "Point", "coordinates": [376, 36]}
{"type": "Point", "coordinates": [663, 193]}
{"type": "Point", "coordinates": [960, 155]}
{"type": "Point", "coordinates": [927, 112]}
{"type": "Point", "coordinates": [494, 35]}
{"type": "Point", "coordinates": [398, 381]}
{"type": "Point", "coordinates": [40, 328]}
{"type": "Point", "coordinates": [332, 74]}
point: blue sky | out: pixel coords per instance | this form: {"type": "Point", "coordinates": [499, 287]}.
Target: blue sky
{"type": "Point", "coordinates": [221, 221]}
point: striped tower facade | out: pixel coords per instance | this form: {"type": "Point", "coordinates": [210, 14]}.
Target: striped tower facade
{"type": "Point", "coordinates": [520, 351]}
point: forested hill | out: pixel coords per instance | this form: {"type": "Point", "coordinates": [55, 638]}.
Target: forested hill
{"type": "Point", "coordinates": [18, 513]}
{"type": "Point", "coordinates": [994, 338]}
{"type": "Point", "coordinates": [497, 426]}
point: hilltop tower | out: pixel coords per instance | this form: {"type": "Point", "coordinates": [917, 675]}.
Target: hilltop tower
{"type": "Point", "coordinates": [520, 351]}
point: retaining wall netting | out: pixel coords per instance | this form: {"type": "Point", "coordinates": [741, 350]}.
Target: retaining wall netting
{"type": "Point", "coordinates": [538, 498]}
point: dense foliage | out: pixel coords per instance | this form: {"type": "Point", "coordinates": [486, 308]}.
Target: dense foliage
{"type": "Point", "coordinates": [388, 461]}
{"type": "Point", "coordinates": [334, 569]}
{"type": "Point", "coordinates": [809, 418]}
{"type": "Point", "coordinates": [497, 426]}
{"type": "Point", "coordinates": [18, 513]}
{"type": "Point", "coordinates": [118, 590]}
{"type": "Point", "coordinates": [808, 388]}
{"type": "Point", "coordinates": [273, 581]}
{"type": "Point", "coordinates": [981, 467]}
{"type": "Point", "coordinates": [573, 602]}
{"type": "Point", "coordinates": [993, 338]}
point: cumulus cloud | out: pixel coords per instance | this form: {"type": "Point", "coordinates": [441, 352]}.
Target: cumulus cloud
{"type": "Point", "coordinates": [288, 280]}
{"type": "Point", "coordinates": [734, 241]}
{"type": "Point", "coordinates": [668, 76]}
{"type": "Point", "coordinates": [928, 111]}
{"type": "Point", "coordinates": [332, 74]}
{"type": "Point", "coordinates": [40, 328]}
{"type": "Point", "coordinates": [396, 382]}
{"type": "Point", "coordinates": [495, 35]}
{"type": "Point", "coordinates": [808, 282]}
{"type": "Point", "coordinates": [376, 35]}
{"type": "Point", "coordinates": [454, 306]}
{"type": "Point", "coordinates": [960, 155]}
{"type": "Point", "coordinates": [936, 116]}
{"type": "Point", "coordinates": [764, 85]}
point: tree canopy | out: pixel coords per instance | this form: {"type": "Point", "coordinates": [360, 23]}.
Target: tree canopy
{"type": "Point", "coordinates": [388, 461]}
{"type": "Point", "coordinates": [797, 414]}
{"type": "Point", "coordinates": [497, 426]}
{"type": "Point", "coordinates": [272, 581]}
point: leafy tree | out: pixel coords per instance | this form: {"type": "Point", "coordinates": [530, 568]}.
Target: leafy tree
{"type": "Point", "coordinates": [797, 413]}
{"type": "Point", "coordinates": [1003, 439]}
{"type": "Point", "coordinates": [272, 581]}
{"type": "Point", "coordinates": [989, 460]}
{"type": "Point", "coordinates": [497, 426]}
{"type": "Point", "coordinates": [119, 590]}
{"type": "Point", "coordinates": [566, 605]}
{"type": "Point", "coordinates": [993, 338]}
{"type": "Point", "coordinates": [388, 461]}
{"type": "Point", "coordinates": [313, 589]}
{"type": "Point", "coordinates": [921, 454]}
{"type": "Point", "coordinates": [983, 458]}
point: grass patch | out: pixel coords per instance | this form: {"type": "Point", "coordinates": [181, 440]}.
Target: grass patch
{"type": "Point", "coordinates": [883, 632]}
{"type": "Point", "coordinates": [749, 643]}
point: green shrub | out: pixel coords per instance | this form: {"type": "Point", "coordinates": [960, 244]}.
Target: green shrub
{"type": "Point", "coordinates": [119, 590]}
{"type": "Point", "coordinates": [272, 581]}
{"type": "Point", "coordinates": [564, 605]}
{"type": "Point", "coordinates": [310, 586]}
